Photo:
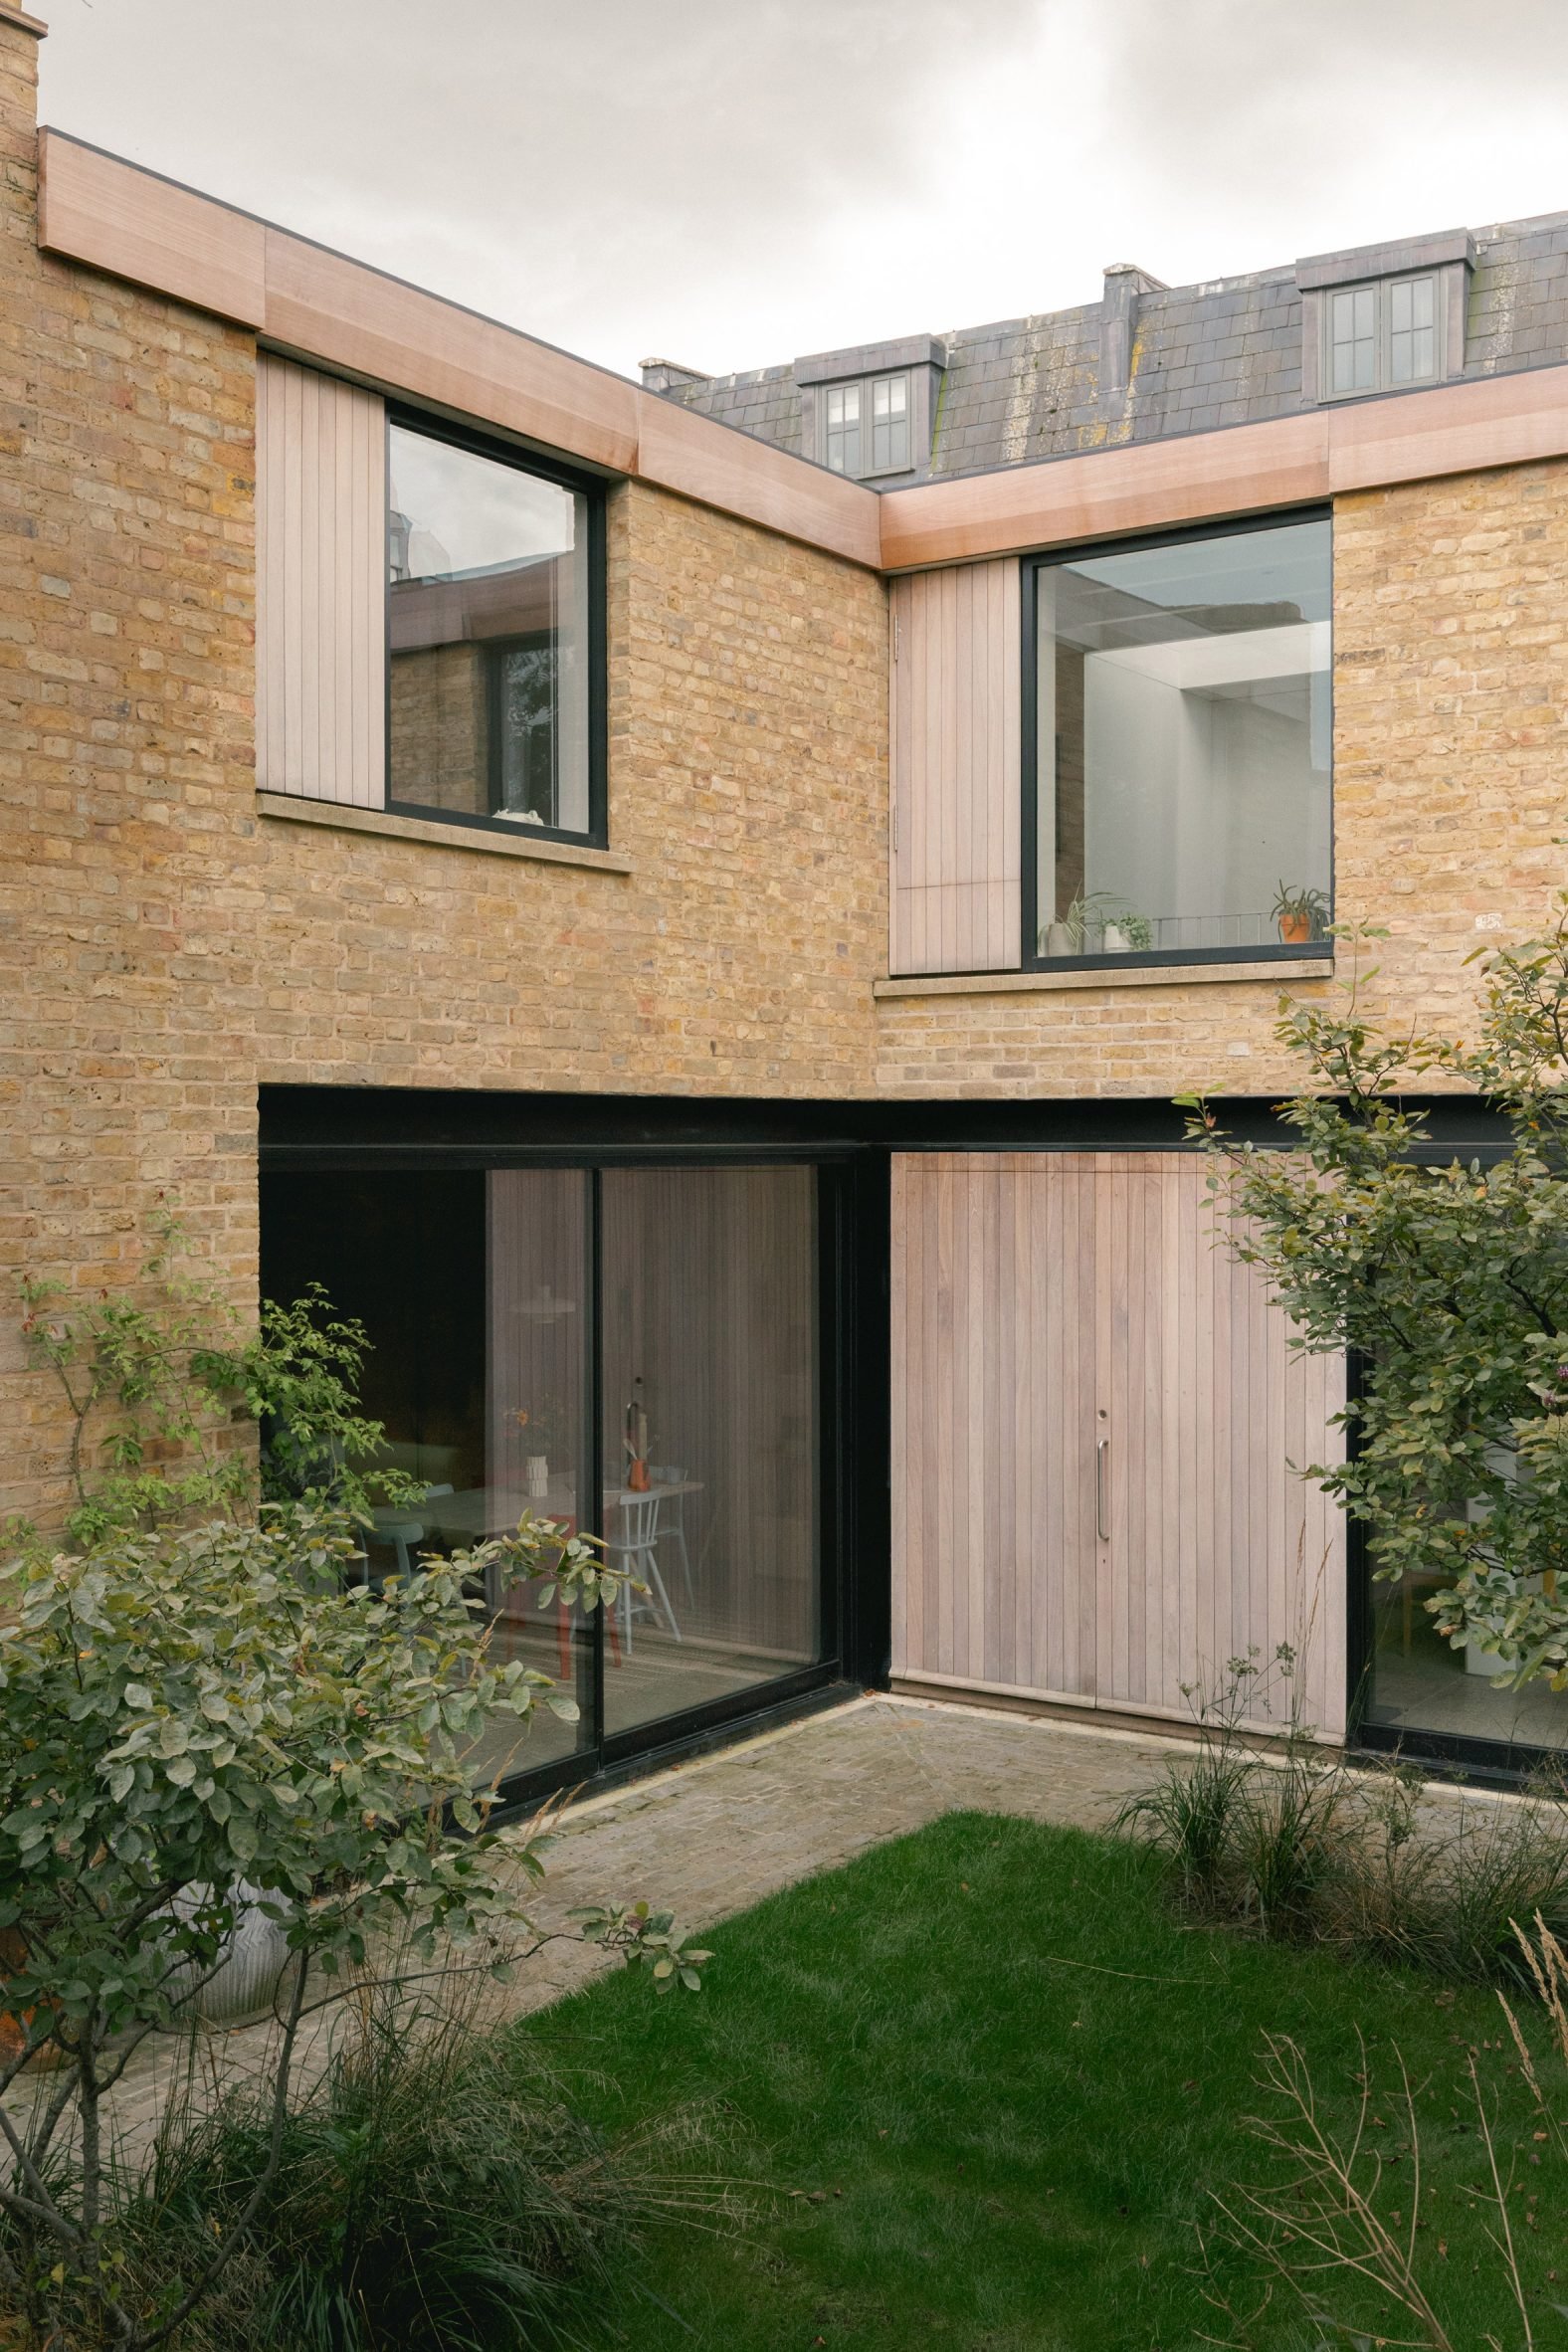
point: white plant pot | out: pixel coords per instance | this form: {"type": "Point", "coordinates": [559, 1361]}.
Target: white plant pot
{"type": "Point", "coordinates": [1059, 939]}
{"type": "Point", "coordinates": [538, 1475]}
{"type": "Point", "coordinates": [253, 1957]}
{"type": "Point", "coordinates": [1116, 941]}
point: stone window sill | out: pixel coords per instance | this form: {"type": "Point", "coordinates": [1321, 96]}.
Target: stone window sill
{"type": "Point", "coordinates": [1258, 975]}
{"type": "Point", "coordinates": [340, 817]}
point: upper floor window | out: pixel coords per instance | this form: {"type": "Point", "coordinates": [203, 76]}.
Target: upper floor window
{"type": "Point", "coordinates": [865, 426]}
{"type": "Point", "coordinates": [492, 686]}
{"type": "Point", "coordinates": [1183, 747]}
{"type": "Point", "coordinates": [1383, 334]}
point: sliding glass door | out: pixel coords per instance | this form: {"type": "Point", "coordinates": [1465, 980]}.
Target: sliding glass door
{"type": "Point", "coordinates": [710, 1417]}
{"type": "Point", "coordinates": [632, 1352]}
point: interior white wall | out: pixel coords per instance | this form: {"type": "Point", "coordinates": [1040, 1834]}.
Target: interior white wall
{"type": "Point", "coordinates": [1202, 796]}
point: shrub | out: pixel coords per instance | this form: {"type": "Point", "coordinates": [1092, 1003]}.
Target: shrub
{"type": "Point", "coordinates": [201, 1712]}
{"type": "Point", "coordinates": [1450, 1283]}
{"type": "Point", "coordinates": [435, 2194]}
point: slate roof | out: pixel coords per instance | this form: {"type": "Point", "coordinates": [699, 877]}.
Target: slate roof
{"type": "Point", "coordinates": [1226, 351]}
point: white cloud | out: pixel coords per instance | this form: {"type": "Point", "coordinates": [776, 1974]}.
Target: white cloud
{"type": "Point", "coordinates": [732, 184]}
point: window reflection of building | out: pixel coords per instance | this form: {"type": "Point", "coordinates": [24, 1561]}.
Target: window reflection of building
{"type": "Point", "coordinates": [488, 622]}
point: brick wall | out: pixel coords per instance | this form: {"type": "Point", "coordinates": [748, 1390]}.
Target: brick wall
{"type": "Point", "coordinates": [1450, 782]}
{"type": "Point", "coordinates": [747, 783]}
{"type": "Point", "coordinates": [165, 951]}
{"type": "Point", "coordinates": [126, 675]}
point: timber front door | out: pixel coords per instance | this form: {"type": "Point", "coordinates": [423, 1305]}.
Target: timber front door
{"type": "Point", "coordinates": [1098, 1427]}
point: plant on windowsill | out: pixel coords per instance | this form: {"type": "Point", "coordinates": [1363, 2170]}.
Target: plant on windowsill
{"type": "Point", "coordinates": [1098, 921]}
{"type": "Point", "coordinates": [1302, 915]}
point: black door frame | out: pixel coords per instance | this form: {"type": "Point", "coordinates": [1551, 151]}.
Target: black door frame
{"type": "Point", "coordinates": [851, 1210]}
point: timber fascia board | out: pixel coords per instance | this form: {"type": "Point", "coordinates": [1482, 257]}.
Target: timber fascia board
{"type": "Point", "coordinates": [1456, 428]}
{"type": "Point", "coordinates": [315, 304]}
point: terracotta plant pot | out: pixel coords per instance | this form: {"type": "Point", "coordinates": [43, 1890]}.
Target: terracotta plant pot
{"type": "Point", "coordinates": [1295, 930]}
{"type": "Point", "coordinates": [14, 2030]}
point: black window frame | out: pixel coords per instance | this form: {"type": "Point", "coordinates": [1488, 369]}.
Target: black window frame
{"type": "Point", "coordinates": [1139, 959]}
{"type": "Point", "coordinates": [593, 489]}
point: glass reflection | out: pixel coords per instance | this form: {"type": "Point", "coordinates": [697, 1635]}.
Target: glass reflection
{"type": "Point", "coordinates": [1185, 745]}
{"type": "Point", "coordinates": [489, 691]}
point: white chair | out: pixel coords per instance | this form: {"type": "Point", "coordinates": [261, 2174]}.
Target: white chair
{"type": "Point", "coordinates": [671, 1521]}
{"type": "Point", "coordinates": [631, 1547]}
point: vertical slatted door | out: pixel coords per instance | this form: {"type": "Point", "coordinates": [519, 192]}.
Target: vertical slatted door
{"type": "Point", "coordinates": [1219, 1548]}
{"type": "Point", "coordinates": [1045, 1305]}
{"type": "Point", "coordinates": [993, 1354]}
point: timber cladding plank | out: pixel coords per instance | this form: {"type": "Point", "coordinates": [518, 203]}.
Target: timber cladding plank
{"type": "Point", "coordinates": [1042, 1303]}
{"type": "Point", "coordinates": [320, 717]}
{"type": "Point", "coordinates": [954, 710]}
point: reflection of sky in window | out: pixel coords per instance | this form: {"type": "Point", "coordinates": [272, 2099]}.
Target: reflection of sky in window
{"type": "Point", "coordinates": [1291, 565]}
{"type": "Point", "coordinates": [468, 514]}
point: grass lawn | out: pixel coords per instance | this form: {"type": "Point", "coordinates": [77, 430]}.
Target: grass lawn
{"type": "Point", "coordinates": [1010, 2150]}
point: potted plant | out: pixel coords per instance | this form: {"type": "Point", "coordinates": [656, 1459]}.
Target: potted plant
{"type": "Point", "coordinates": [1299, 914]}
{"type": "Point", "coordinates": [1128, 932]}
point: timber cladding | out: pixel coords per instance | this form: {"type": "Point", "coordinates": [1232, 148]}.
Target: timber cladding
{"type": "Point", "coordinates": [1097, 1428]}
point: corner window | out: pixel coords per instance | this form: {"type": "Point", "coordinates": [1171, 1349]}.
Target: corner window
{"type": "Point", "coordinates": [865, 426]}
{"type": "Point", "coordinates": [1381, 335]}
{"type": "Point", "coordinates": [492, 688]}
{"type": "Point", "coordinates": [1182, 750]}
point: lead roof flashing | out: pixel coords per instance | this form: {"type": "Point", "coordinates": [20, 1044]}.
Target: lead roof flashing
{"type": "Point", "coordinates": [870, 359]}
{"type": "Point", "coordinates": [1395, 260]}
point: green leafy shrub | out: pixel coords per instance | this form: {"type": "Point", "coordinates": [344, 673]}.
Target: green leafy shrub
{"type": "Point", "coordinates": [207, 1715]}
{"type": "Point", "coordinates": [1449, 1280]}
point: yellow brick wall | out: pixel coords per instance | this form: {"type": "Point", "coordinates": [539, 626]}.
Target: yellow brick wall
{"type": "Point", "coordinates": [127, 731]}
{"type": "Point", "coordinates": [1450, 782]}
{"type": "Point", "coordinates": [165, 951]}
{"type": "Point", "coordinates": [747, 782]}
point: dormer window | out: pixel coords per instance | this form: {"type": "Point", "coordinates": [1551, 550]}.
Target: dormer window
{"type": "Point", "coordinates": [1383, 335]}
{"type": "Point", "coordinates": [867, 426]}
{"type": "Point", "coordinates": [1385, 318]}
{"type": "Point", "coordinates": [868, 412]}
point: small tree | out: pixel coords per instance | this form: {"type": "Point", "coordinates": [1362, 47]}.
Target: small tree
{"type": "Point", "coordinates": [1449, 1281]}
{"type": "Point", "coordinates": [199, 1711]}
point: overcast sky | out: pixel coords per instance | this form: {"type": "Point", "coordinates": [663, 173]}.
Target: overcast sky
{"type": "Point", "coordinates": [735, 182]}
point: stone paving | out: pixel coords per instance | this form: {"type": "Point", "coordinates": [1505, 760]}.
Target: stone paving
{"type": "Point", "coordinates": [715, 1836]}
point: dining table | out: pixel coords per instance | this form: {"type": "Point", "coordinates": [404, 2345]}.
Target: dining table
{"type": "Point", "coordinates": [476, 1514]}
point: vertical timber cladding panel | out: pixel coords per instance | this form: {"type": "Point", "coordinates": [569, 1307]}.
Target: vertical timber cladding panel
{"type": "Point", "coordinates": [320, 586]}
{"type": "Point", "coordinates": [954, 714]}
{"type": "Point", "coordinates": [1043, 1302]}
{"type": "Point", "coordinates": [993, 1356]}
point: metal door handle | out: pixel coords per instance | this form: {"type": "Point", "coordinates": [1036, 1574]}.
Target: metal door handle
{"type": "Point", "coordinates": [1101, 1452]}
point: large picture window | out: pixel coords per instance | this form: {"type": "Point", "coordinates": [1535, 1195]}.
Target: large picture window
{"type": "Point", "coordinates": [1182, 803]}
{"type": "Point", "coordinates": [492, 686]}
